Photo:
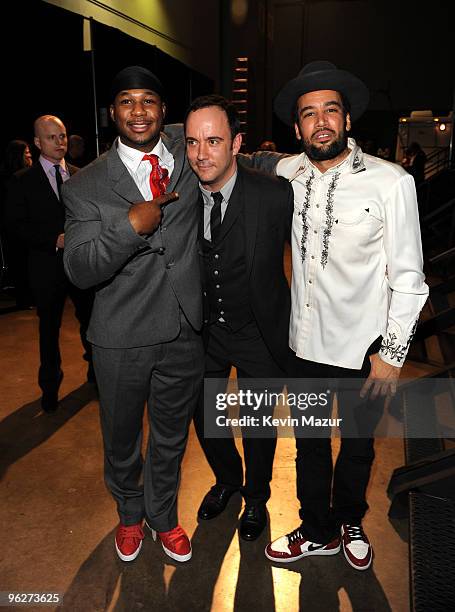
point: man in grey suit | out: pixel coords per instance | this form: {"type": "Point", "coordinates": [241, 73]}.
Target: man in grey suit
{"type": "Point", "coordinates": [137, 245]}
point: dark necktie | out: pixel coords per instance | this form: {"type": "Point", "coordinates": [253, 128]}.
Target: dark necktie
{"type": "Point", "coordinates": [215, 215]}
{"type": "Point", "coordinates": [58, 180]}
{"type": "Point", "coordinates": [158, 178]}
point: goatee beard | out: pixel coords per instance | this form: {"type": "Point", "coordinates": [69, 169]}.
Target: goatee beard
{"type": "Point", "coordinates": [326, 152]}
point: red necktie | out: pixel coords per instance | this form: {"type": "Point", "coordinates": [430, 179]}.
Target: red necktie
{"type": "Point", "coordinates": [159, 178]}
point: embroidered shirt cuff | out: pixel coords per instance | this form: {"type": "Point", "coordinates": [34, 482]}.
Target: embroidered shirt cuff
{"type": "Point", "coordinates": [394, 362]}
{"type": "Point", "coordinates": [394, 352]}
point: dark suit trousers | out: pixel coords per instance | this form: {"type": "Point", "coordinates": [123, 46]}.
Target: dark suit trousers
{"type": "Point", "coordinates": [331, 496]}
{"type": "Point", "coordinates": [50, 302]}
{"type": "Point", "coordinates": [246, 350]}
{"type": "Point", "coordinates": [167, 377]}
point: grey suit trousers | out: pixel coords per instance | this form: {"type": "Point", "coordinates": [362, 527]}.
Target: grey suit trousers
{"type": "Point", "coordinates": [166, 377]}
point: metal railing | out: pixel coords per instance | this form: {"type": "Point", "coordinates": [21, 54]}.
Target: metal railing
{"type": "Point", "coordinates": [437, 161]}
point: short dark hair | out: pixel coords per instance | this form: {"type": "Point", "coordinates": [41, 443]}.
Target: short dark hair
{"type": "Point", "coordinates": [226, 105]}
{"type": "Point", "coordinates": [344, 103]}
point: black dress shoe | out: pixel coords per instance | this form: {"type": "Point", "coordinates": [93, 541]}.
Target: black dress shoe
{"type": "Point", "coordinates": [215, 502]}
{"type": "Point", "coordinates": [252, 522]}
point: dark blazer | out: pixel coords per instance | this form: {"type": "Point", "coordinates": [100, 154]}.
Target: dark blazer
{"type": "Point", "coordinates": [141, 283]}
{"type": "Point", "coordinates": [36, 216]}
{"type": "Point", "coordinates": [267, 205]}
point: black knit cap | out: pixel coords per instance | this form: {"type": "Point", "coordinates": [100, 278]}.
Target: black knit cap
{"type": "Point", "coordinates": [136, 77]}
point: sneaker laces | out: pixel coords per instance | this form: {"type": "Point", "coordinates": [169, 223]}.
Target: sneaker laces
{"type": "Point", "coordinates": [355, 532]}
{"type": "Point", "coordinates": [175, 534]}
{"type": "Point", "coordinates": [133, 532]}
{"type": "Point", "coordinates": [295, 536]}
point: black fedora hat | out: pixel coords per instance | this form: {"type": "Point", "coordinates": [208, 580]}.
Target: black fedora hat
{"type": "Point", "coordinates": [322, 75]}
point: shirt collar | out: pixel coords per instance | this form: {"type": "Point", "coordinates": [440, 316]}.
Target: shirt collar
{"type": "Point", "coordinates": [226, 190]}
{"type": "Point", "coordinates": [48, 166]}
{"type": "Point", "coordinates": [132, 157]}
{"type": "Point", "coordinates": [353, 163]}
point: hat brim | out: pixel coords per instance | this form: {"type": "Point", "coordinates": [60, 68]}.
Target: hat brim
{"type": "Point", "coordinates": [338, 80]}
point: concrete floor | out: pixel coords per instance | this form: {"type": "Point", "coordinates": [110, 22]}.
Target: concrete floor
{"type": "Point", "coordinates": [58, 520]}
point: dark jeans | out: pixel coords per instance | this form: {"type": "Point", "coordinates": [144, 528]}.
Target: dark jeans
{"type": "Point", "coordinates": [246, 350]}
{"type": "Point", "coordinates": [50, 302]}
{"type": "Point", "coordinates": [331, 496]}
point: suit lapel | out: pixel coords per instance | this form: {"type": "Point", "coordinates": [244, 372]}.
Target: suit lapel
{"type": "Point", "coordinates": [242, 200]}
{"type": "Point", "coordinates": [200, 208]}
{"type": "Point", "coordinates": [45, 183]}
{"type": "Point", "coordinates": [235, 206]}
{"type": "Point", "coordinates": [251, 216]}
{"type": "Point", "coordinates": [122, 183]}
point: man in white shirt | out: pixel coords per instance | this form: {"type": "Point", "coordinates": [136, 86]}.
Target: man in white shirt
{"type": "Point", "coordinates": [357, 291]}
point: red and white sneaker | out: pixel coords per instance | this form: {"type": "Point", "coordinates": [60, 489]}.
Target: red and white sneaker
{"type": "Point", "coordinates": [294, 546]}
{"type": "Point", "coordinates": [356, 546]}
{"type": "Point", "coordinates": [175, 543]}
{"type": "Point", "coordinates": [128, 541]}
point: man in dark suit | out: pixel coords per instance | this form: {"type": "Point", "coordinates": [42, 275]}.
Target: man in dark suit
{"type": "Point", "coordinates": [245, 220]}
{"type": "Point", "coordinates": [138, 246]}
{"type": "Point", "coordinates": [36, 215]}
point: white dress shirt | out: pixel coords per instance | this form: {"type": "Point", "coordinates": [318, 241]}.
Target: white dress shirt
{"type": "Point", "coordinates": [356, 259]}
{"type": "Point", "coordinates": [140, 170]}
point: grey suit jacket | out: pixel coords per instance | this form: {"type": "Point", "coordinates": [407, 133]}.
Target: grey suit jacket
{"type": "Point", "coordinates": [141, 282]}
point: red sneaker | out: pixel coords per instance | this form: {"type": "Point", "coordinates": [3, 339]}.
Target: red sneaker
{"type": "Point", "coordinates": [128, 541]}
{"type": "Point", "coordinates": [295, 546]}
{"type": "Point", "coordinates": [175, 543]}
{"type": "Point", "coordinates": [356, 547]}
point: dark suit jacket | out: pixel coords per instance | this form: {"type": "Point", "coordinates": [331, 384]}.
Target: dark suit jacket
{"type": "Point", "coordinates": [141, 283]}
{"type": "Point", "coordinates": [35, 215]}
{"type": "Point", "coordinates": [267, 205]}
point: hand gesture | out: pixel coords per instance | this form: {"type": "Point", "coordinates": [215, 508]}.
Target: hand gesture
{"type": "Point", "coordinates": [145, 217]}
